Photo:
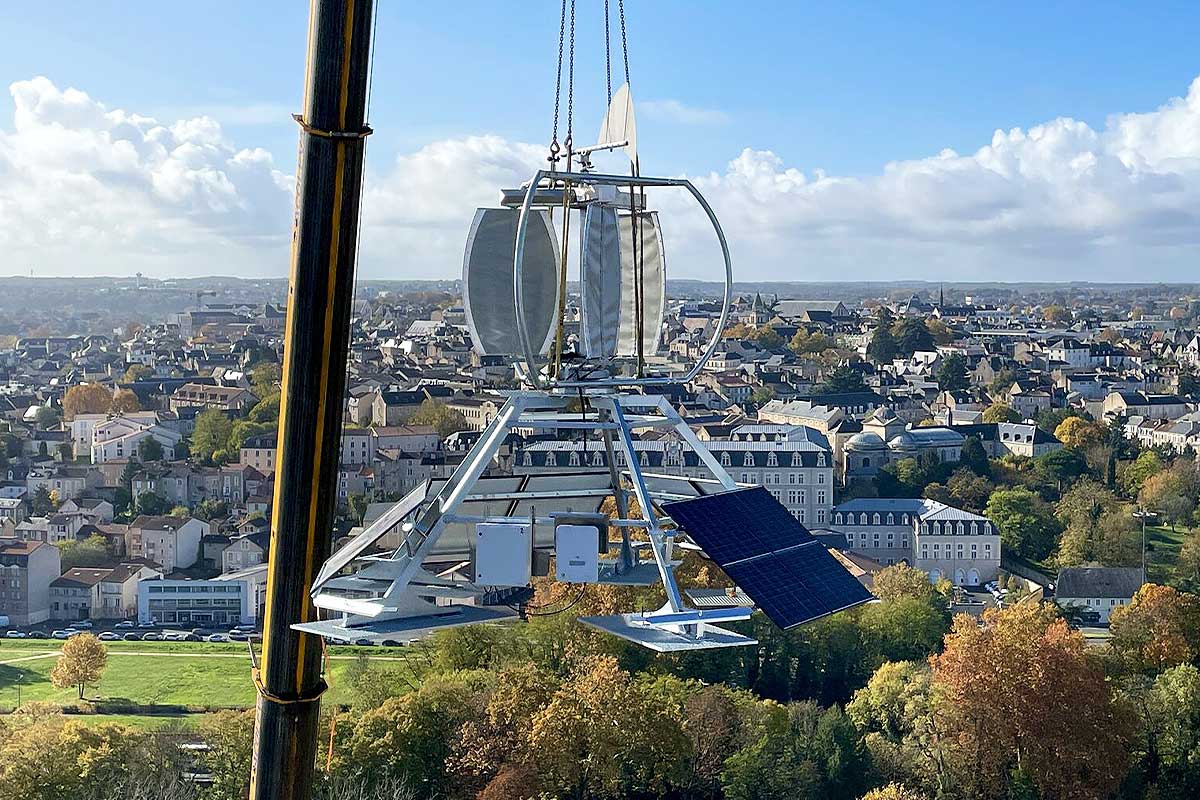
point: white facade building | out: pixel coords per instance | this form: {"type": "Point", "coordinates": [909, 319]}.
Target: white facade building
{"type": "Point", "coordinates": [942, 541]}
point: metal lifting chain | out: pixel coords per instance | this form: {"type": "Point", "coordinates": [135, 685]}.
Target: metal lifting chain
{"type": "Point", "coordinates": [562, 28]}
{"type": "Point", "coordinates": [570, 89]}
{"type": "Point", "coordinates": [607, 54]}
{"type": "Point", "coordinates": [624, 44]}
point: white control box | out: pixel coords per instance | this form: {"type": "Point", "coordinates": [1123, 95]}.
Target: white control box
{"type": "Point", "coordinates": [503, 554]}
{"type": "Point", "coordinates": [576, 555]}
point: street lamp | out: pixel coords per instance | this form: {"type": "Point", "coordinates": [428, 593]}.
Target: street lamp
{"type": "Point", "coordinates": [1144, 515]}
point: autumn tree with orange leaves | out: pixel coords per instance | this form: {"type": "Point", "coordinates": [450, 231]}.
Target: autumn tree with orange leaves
{"type": "Point", "coordinates": [1019, 699]}
{"type": "Point", "coordinates": [1158, 630]}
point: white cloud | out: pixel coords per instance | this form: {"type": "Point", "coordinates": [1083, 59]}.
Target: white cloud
{"type": "Point", "coordinates": [85, 189]}
{"type": "Point", "coordinates": [680, 113]}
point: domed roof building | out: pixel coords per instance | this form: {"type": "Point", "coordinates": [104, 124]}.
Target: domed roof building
{"type": "Point", "coordinates": [885, 438]}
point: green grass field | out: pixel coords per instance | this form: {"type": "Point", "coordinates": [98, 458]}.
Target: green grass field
{"type": "Point", "coordinates": [1162, 552]}
{"type": "Point", "coordinates": [196, 674]}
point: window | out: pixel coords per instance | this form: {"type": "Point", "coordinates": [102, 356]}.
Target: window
{"type": "Point", "coordinates": [876, 519]}
{"type": "Point", "coordinates": [820, 459]}
{"type": "Point", "coordinates": [891, 519]}
{"type": "Point", "coordinates": [821, 497]}
{"type": "Point", "coordinates": [796, 459]}
{"type": "Point", "coordinates": [747, 459]}
{"type": "Point", "coordinates": [772, 459]}
{"type": "Point", "coordinates": [725, 458]}
{"type": "Point", "coordinates": [838, 519]}
{"type": "Point", "coordinates": [820, 477]}
{"type": "Point", "coordinates": [820, 515]}
{"type": "Point", "coordinates": [573, 460]}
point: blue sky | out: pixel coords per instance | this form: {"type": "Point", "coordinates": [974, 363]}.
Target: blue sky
{"type": "Point", "coordinates": [840, 88]}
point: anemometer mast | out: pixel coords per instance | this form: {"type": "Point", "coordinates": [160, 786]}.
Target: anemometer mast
{"type": "Point", "coordinates": [328, 187]}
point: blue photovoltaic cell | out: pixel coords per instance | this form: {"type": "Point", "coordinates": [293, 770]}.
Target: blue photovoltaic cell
{"type": "Point", "coordinates": [790, 575]}
{"type": "Point", "coordinates": [797, 585]}
{"type": "Point", "coordinates": [740, 524]}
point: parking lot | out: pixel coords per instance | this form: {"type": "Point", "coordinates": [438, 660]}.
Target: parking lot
{"type": "Point", "coordinates": [130, 631]}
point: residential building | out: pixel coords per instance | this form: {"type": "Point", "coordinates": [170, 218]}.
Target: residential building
{"type": "Point", "coordinates": [26, 570]}
{"type": "Point", "coordinates": [244, 551]}
{"type": "Point", "coordinates": [1097, 590]}
{"type": "Point", "coordinates": [75, 595]}
{"type": "Point", "coordinates": [940, 540]}
{"type": "Point", "coordinates": [223, 398]}
{"type": "Point", "coordinates": [171, 542]}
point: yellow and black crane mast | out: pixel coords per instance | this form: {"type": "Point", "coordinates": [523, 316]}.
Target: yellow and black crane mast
{"type": "Point", "coordinates": [333, 131]}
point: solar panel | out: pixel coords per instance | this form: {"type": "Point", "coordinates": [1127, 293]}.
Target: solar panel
{"type": "Point", "coordinates": [798, 585]}
{"type": "Point", "coordinates": [739, 524]}
{"type": "Point", "coordinates": [790, 575]}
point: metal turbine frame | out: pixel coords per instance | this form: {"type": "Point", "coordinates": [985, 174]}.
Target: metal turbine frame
{"type": "Point", "coordinates": [395, 585]}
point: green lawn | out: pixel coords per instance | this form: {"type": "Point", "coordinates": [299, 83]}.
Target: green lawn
{"type": "Point", "coordinates": [162, 673]}
{"type": "Point", "coordinates": [1162, 551]}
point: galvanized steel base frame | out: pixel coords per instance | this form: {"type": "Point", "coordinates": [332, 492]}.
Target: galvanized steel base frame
{"type": "Point", "coordinates": [386, 597]}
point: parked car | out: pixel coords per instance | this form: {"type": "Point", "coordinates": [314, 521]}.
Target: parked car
{"type": "Point", "coordinates": [173, 636]}
{"type": "Point", "coordinates": [191, 637]}
{"type": "Point", "coordinates": [152, 636]}
{"type": "Point", "coordinates": [237, 636]}
{"type": "Point", "coordinates": [60, 634]}
{"type": "Point", "coordinates": [364, 642]}
{"type": "Point", "coordinates": [124, 624]}
{"type": "Point", "coordinates": [109, 636]}
{"type": "Point", "coordinates": [82, 625]}
{"type": "Point", "coordinates": [391, 643]}
{"type": "Point", "coordinates": [132, 637]}
{"type": "Point", "coordinates": [199, 632]}
{"type": "Point", "coordinates": [246, 628]}
{"type": "Point", "coordinates": [38, 635]}
{"type": "Point", "coordinates": [150, 624]}
{"type": "Point", "coordinates": [15, 635]}
{"type": "Point", "coordinates": [218, 637]}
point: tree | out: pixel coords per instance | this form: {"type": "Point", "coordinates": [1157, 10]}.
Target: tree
{"type": "Point", "coordinates": [245, 429]}
{"type": "Point", "coordinates": [602, 735]}
{"type": "Point", "coordinates": [89, 552]}
{"type": "Point", "coordinates": [124, 401]}
{"type": "Point", "coordinates": [913, 336]}
{"type": "Point", "coordinates": [1169, 493]}
{"type": "Point", "coordinates": [41, 504]}
{"type": "Point", "coordinates": [1059, 467]}
{"type": "Point", "coordinates": [1136, 473]}
{"type": "Point", "coordinates": [1158, 630]}
{"type": "Point", "coordinates": [229, 736]}
{"type": "Point", "coordinates": [265, 378]}
{"type": "Point", "coordinates": [940, 331]}
{"type": "Point", "coordinates": [805, 752]}
{"type": "Point", "coordinates": [1169, 716]}
{"type": "Point", "coordinates": [883, 347]}
{"type": "Point", "coordinates": [137, 372]}
{"type": "Point", "coordinates": [894, 791]}
{"type": "Point", "coordinates": [440, 416]}
{"type": "Point", "coordinates": [761, 396]}
{"type": "Point", "coordinates": [86, 398]}
{"type": "Point", "coordinates": [806, 343]}
{"type": "Point", "coordinates": [81, 664]}
{"type": "Point", "coordinates": [211, 433]}
{"type": "Point", "coordinates": [1078, 433]}
{"type": "Point", "coordinates": [902, 581]}
{"type": "Point", "coordinates": [152, 504]}
{"type": "Point", "coordinates": [975, 458]}
{"type": "Point", "coordinates": [150, 449]}
{"type": "Point", "coordinates": [266, 410]}
{"type": "Point", "coordinates": [47, 417]}
{"type": "Point", "coordinates": [1026, 522]}
{"type": "Point", "coordinates": [841, 380]}
{"type": "Point", "coordinates": [357, 504]}
{"type": "Point", "coordinates": [211, 510]}
{"type": "Point", "coordinates": [1000, 412]}
{"type": "Point", "coordinates": [952, 374]}
{"type": "Point", "coordinates": [1019, 693]}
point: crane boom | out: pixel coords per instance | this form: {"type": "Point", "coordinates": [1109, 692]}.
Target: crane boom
{"type": "Point", "coordinates": [320, 293]}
